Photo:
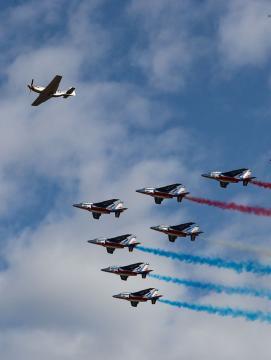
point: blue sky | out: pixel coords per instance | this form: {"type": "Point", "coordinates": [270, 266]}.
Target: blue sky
{"type": "Point", "coordinates": [165, 92]}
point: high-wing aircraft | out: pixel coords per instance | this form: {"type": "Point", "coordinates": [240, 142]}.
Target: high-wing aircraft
{"type": "Point", "coordinates": [182, 230]}
{"type": "Point", "coordinates": [104, 207]}
{"type": "Point", "coordinates": [165, 192]}
{"type": "Point", "coordinates": [51, 90]}
{"type": "Point", "coordinates": [118, 242]}
{"type": "Point", "coordinates": [129, 270]}
{"type": "Point", "coordinates": [234, 176]}
{"type": "Point", "coordinates": [139, 296]}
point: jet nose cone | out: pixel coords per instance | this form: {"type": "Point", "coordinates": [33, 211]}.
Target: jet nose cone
{"type": "Point", "coordinates": [116, 296]}
{"type": "Point", "coordinates": [205, 175]}
{"type": "Point", "coordinates": [92, 241]}
{"type": "Point", "coordinates": [105, 269]}
{"type": "Point", "coordinates": [154, 227]}
{"type": "Point", "coordinates": [76, 205]}
{"type": "Point", "coordinates": [141, 191]}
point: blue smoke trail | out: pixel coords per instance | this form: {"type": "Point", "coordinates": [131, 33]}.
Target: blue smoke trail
{"type": "Point", "coordinates": [215, 287]}
{"type": "Point", "coordinates": [245, 266]}
{"type": "Point", "coordinates": [221, 311]}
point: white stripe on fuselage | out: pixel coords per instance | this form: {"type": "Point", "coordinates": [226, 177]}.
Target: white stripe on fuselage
{"type": "Point", "coordinates": [58, 93]}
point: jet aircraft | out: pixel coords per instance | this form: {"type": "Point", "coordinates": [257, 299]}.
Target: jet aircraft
{"type": "Point", "coordinates": [139, 296]}
{"type": "Point", "coordinates": [105, 207]}
{"type": "Point", "coordinates": [129, 270]}
{"type": "Point", "coordinates": [234, 176]}
{"type": "Point", "coordinates": [118, 242]}
{"type": "Point", "coordinates": [182, 230]}
{"type": "Point", "coordinates": [51, 90]}
{"type": "Point", "coordinates": [165, 192]}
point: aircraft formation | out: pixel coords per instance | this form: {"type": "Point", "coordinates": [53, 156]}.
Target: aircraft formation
{"type": "Point", "coordinates": [116, 207]}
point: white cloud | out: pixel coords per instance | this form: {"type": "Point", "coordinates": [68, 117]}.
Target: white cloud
{"type": "Point", "coordinates": [244, 33]}
{"type": "Point", "coordinates": [168, 48]}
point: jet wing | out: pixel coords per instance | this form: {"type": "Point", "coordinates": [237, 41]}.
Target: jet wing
{"type": "Point", "coordinates": [142, 292]}
{"type": "Point", "coordinates": [167, 188]}
{"type": "Point", "coordinates": [48, 91]}
{"type": "Point", "coordinates": [182, 226]}
{"type": "Point", "coordinates": [105, 203]}
{"type": "Point", "coordinates": [131, 267]}
{"type": "Point", "coordinates": [234, 173]}
{"type": "Point", "coordinates": [118, 239]}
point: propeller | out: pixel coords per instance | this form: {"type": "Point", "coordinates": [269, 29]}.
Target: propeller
{"type": "Point", "coordinates": [30, 87]}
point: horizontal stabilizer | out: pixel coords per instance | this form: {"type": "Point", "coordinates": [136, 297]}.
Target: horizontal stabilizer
{"type": "Point", "coordinates": [69, 92]}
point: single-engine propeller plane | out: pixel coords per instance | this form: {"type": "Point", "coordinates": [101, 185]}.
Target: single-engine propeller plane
{"type": "Point", "coordinates": [165, 192]}
{"type": "Point", "coordinates": [105, 207]}
{"type": "Point", "coordinates": [182, 230]}
{"type": "Point", "coordinates": [51, 90]}
{"type": "Point", "coordinates": [139, 296]}
{"type": "Point", "coordinates": [233, 176]}
{"type": "Point", "coordinates": [129, 270]}
{"type": "Point", "coordinates": [118, 242]}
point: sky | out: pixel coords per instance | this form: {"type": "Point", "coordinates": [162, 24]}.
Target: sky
{"type": "Point", "coordinates": [166, 91]}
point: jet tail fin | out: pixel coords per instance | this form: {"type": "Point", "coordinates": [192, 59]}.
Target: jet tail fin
{"type": "Point", "coordinates": [246, 181]}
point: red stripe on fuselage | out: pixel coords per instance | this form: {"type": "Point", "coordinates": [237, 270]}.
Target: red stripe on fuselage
{"type": "Point", "coordinates": [162, 194]}
{"type": "Point", "coordinates": [99, 210]}
{"type": "Point", "coordinates": [228, 179]}
{"type": "Point", "coordinates": [137, 298]}
{"type": "Point", "coordinates": [175, 232]}
{"type": "Point", "coordinates": [113, 245]}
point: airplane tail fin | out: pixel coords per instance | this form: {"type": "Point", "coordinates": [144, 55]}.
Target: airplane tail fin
{"type": "Point", "coordinates": [69, 92]}
{"type": "Point", "coordinates": [246, 181]}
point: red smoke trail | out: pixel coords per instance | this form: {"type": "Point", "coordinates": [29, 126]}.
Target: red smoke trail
{"type": "Point", "coordinates": [232, 206]}
{"type": "Point", "coordinates": [265, 185]}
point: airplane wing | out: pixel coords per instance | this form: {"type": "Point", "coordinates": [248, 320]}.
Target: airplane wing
{"type": "Point", "coordinates": [96, 215]}
{"type": "Point", "coordinates": [182, 226]}
{"type": "Point", "coordinates": [104, 204]}
{"type": "Point", "coordinates": [40, 99]}
{"type": "Point", "coordinates": [48, 91]}
{"type": "Point", "coordinates": [158, 200]}
{"type": "Point", "coordinates": [118, 239]}
{"type": "Point", "coordinates": [52, 87]}
{"type": "Point", "coordinates": [141, 292]}
{"type": "Point", "coordinates": [167, 188]}
{"type": "Point", "coordinates": [233, 173]}
{"type": "Point", "coordinates": [131, 267]}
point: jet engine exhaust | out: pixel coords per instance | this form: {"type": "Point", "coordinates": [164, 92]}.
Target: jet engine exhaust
{"type": "Point", "coordinates": [218, 288]}
{"type": "Point", "coordinates": [253, 267]}
{"type": "Point", "coordinates": [256, 210]}
{"type": "Point", "coordinates": [222, 311]}
{"type": "Point", "coordinates": [262, 184]}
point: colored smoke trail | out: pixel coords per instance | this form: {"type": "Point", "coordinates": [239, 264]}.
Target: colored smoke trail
{"type": "Point", "coordinates": [245, 266]}
{"type": "Point", "coordinates": [232, 206]}
{"type": "Point", "coordinates": [230, 290]}
{"type": "Point", "coordinates": [221, 311]}
{"type": "Point", "coordinates": [265, 185]}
